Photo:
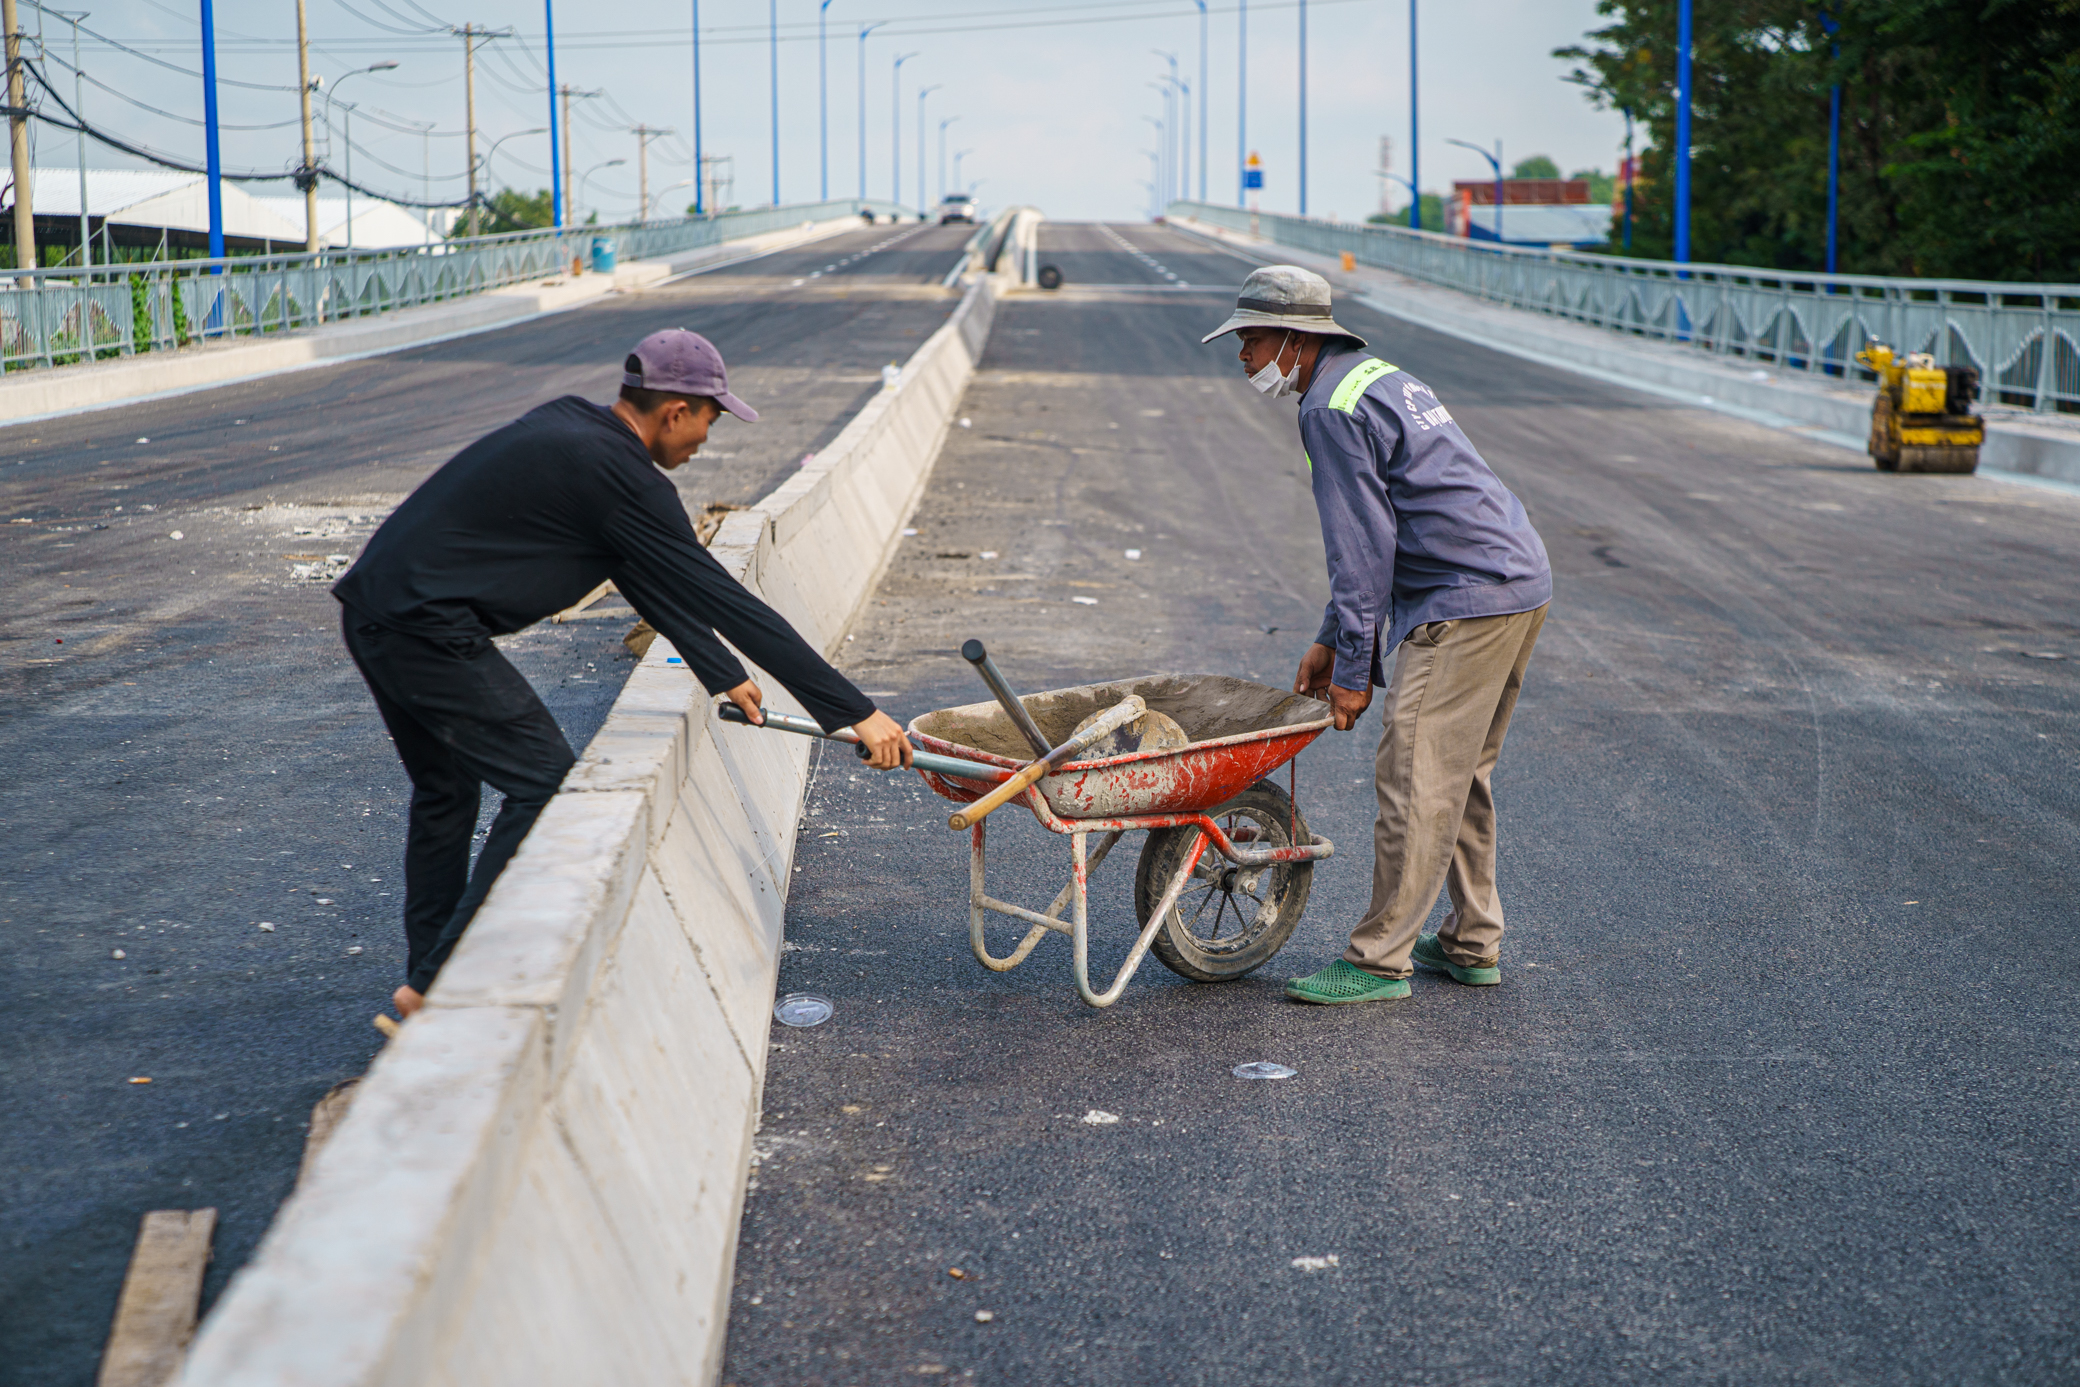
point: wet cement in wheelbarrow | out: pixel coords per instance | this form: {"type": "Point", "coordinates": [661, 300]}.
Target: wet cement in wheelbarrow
{"type": "Point", "coordinates": [1207, 706]}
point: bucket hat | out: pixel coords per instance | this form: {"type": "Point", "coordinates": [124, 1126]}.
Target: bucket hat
{"type": "Point", "coordinates": [1284, 296]}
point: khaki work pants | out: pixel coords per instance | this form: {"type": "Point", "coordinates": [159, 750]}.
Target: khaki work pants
{"type": "Point", "coordinates": [1455, 685]}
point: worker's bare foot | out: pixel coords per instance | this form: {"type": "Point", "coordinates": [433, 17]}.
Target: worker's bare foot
{"type": "Point", "coordinates": [407, 1001]}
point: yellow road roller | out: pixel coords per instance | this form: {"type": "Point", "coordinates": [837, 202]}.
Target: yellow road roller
{"type": "Point", "coordinates": [1922, 420]}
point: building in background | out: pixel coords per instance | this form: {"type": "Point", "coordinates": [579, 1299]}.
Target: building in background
{"type": "Point", "coordinates": [1535, 212]}
{"type": "Point", "coordinates": [143, 212]}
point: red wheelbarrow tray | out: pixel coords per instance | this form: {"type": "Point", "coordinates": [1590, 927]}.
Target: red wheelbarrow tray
{"type": "Point", "coordinates": [1240, 732]}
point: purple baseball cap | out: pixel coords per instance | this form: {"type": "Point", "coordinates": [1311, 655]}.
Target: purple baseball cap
{"type": "Point", "coordinates": [683, 363]}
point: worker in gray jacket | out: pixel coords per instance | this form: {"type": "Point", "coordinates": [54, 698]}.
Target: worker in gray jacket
{"type": "Point", "coordinates": [1431, 558]}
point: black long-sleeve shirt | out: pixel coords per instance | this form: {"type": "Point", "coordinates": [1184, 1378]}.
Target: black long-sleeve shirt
{"type": "Point", "coordinates": [527, 520]}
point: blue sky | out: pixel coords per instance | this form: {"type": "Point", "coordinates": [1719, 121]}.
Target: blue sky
{"type": "Point", "coordinates": [1052, 97]}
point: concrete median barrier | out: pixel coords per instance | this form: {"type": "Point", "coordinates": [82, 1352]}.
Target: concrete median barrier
{"type": "Point", "coordinates": [541, 1178]}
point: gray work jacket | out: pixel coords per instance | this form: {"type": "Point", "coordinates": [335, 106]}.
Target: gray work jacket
{"type": "Point", "coordinates": [1417, 528]}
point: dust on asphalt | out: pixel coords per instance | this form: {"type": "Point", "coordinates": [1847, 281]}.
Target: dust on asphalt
{"type": "Point", "coordinates": [191, 753]}
{"type": "Point", "coordinates": [1778, 1085]}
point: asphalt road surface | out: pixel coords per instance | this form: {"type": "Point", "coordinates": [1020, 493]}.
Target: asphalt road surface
{"type": "Point", "coordinates": [189, 752]}
{"type": "Point", "coordinates": [1779, 1085]}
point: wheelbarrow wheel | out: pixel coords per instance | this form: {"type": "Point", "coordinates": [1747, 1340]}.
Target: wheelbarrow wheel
{"type": "Point", "coordinates": [1228, 920]}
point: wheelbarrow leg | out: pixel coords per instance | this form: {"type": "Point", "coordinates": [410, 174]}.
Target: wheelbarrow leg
{"type": "Point", "coordinates": [980, 904]}
{"type": "Point", "coordinates": [1148, 934]}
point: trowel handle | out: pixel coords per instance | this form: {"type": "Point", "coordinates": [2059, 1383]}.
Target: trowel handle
{"type": "Point", "coordinates": [975, 655]}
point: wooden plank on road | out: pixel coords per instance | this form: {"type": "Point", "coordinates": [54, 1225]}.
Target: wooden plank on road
{"type": "Point", "coordinates": [155, 1316]}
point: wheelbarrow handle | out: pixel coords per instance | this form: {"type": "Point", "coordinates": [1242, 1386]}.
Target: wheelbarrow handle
{"type": "Point", "coordinates": [975, 654]}
{"type": "Point", "coordinates": [920, 760]}
{"type": "Point", "coordinates": [1116, 717]}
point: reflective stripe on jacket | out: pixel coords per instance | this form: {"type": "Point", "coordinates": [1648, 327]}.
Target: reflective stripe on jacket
{"type": "Point", "coordinates": [1416, 526]}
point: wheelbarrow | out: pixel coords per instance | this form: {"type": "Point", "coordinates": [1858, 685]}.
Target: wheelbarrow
{"type": "Point", "coordinates": [1226, 867]}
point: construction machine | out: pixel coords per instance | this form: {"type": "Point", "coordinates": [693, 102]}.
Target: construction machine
{"type": "Point", "coordinates": [1922, 420]}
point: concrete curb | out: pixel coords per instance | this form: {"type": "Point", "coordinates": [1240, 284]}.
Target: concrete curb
{"type": "Point", "coordinates": [2016, 441]}
{"type": "Point", "coordinates": [26, 396]}
{"type": "Point", "coordinates": [541, 1178]}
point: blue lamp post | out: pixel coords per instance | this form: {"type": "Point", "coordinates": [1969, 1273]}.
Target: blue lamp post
{"type": "Point", "coordinates": [823, 107]}
{"type": "Point", "coordinates": [1628, 178]}
{"type": "Point", "coordinates": [211, 158]}
{"type": "Point", "coordinates": [555, 150]}
{"type": "Point", "coordinates": [1682, 150]}
{"type": "Point", "coordinates": [1303, 107]}
{"type": "Point", "coordinates": [864, 30]}
{"type": "Point", "coordinates": [700, 170]}
{"type": "Point", "coordinates": [773, 84]}
{"type": "Point", "coordinates": [1242, 104]}
{"type": "Point", "coordinates": [1202, 100]}
{"type": "Point", "coordinates": [1496, 160]}
{"type": "Point", "coordinates": [1834, 143]}
{"type": "Point", "coordinates": [1415, 148]}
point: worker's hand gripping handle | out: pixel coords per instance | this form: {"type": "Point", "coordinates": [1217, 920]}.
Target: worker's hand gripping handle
{"type": "Point", "coordinates": [1122, 713]}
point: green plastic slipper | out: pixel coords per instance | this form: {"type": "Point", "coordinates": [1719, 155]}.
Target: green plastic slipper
{"type": "Point", "coordinates": [1342, 984]}
{"type": "Point", "coordinates": [1429, 953]}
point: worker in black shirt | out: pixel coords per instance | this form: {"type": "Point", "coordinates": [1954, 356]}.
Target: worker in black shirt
{"type": "Point", "coordinates": [520, 524]}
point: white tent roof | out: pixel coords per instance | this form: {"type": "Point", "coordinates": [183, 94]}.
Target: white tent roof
{"type": "Point", "coordinates": [180, 202]}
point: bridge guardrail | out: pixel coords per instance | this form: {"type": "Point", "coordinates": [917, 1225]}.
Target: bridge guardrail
{"type": "Point", "coordinates": [53, 317]}
{"type": "Point", "coordinates": [2023, 338]}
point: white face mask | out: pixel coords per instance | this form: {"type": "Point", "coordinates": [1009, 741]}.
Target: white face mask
{"type": "Point", "coordinates": [1269, 382]}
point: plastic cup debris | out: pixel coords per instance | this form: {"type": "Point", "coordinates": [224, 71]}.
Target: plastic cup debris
{"type": "Point", "coordinates": [1098, 1117]}
{"type": "Point", "coordinates": [984, 1316]}
{"type": "Point", "coordinates": [117, 954]}
{"type": "Point", "coordinates": [267, 927]}
{"type": "Point", "coordinates": [891, 376]}
{"type": "Point", "coordinates": [176, 535]}
{"type": "Point", "coordinates": [1263, 1069]}
{"type": "Point", "coordinates": [803, 1009]}
{"type": "Point", "coordinates": [1085, 601]}
{"type": "Point", "coordinates": [355, 950]}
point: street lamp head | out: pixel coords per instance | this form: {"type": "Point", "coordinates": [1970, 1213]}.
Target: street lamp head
{"type": "Point", "coordinates": [384, 66]}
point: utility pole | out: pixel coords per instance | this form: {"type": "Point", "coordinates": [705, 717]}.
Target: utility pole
{"type": "Point", "coordinates": [210, 159]}
{"type": "Point", "coordinates": [644, 134]}
{"type": "Point", "coordinates": [469, 113]}
{"type": "Point", "coordinates": [470, 34]}
{"type": "Point", "coordinates": [18, 144]}
{"type": "Point", "coordinates": [307, 174]}
{"type": "Point", "coordinates": [567, 92]}
{"type": "Point", "coordinates": [555, 148]}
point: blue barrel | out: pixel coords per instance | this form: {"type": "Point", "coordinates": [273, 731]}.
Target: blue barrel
{"type": "Point", "coordinates": [603, 255]}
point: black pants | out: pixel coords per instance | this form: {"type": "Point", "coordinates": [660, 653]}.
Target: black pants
{"type": "Point", "coordinates": [461, 717]}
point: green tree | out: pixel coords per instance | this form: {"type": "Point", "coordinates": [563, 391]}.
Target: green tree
{"type": "Point", "coordinates": [511, 210]}
{"type": "Point", "coordinates": [1960, 123]}
{"type": "Point", "coordinates": [1537, 166]}
{"type": "Point", "coordinates": [1432, 214]}
{"type": "Point", "coordinates": [1602, 186]}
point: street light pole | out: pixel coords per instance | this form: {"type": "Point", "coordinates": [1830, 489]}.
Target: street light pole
{"type": "Point", "coordinates": [514, 135]}
{"type": "Point", "coordinates": [823, 103]}
{"type": "Point", "coordinates": [1170, 157]}
{"type": "Point", "coordinates": [555, 153]}
{"type": "Point", "coordinates": [1163, 178]}
{"type": "Point", "coordinates": [347, 135]}
{"type": "Point", "coordinates": [958, 155]}
{"type": "Point", "coordinates": [1303, 107]}
{"type": "Point", "coordinates": [79, 108]}
{"type": "Point", "coordinates": [1242, 103]}
{"type": "Point", "coordinates": [942, 155]}
{"type": "Point", "coordinates": [700, 169]}
{"type": "Point", "coordinates": [1202, 100]}
{"type": "Point", "coordinates": [1834, 141]}
{"type": "Point", "coordinates": [1415, 150]}
{"type": "Point", "coordinates": [895, 134]}
{"type": "Point", "coordinates": [922, 93]}
{"type": "Point", "coordinates": [608, 164]}
{"type": "Point", "coordinates": [1628, 178]}
{"type": "Point", "coordinates": [1162, 143]}
{"type": "Point", "coordinates": [864, 30]}
{"type": "Point", "coordinates": [773, 84]}
{"type": "Point", "coordinates": [1496, 160]}
{"type": "Point", "coordinates": [1682, 150]}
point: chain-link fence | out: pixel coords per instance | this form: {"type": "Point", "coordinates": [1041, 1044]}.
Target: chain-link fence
{"type": "Point", "coordinates": [55, 317]}
{"type": "Point", "coordinates": [2023, 338]}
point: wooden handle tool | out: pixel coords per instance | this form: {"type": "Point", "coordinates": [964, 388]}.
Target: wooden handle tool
{"type": "Point", "coordinates": [1122, 713]}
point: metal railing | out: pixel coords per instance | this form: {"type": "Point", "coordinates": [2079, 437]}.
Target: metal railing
{"type": "Point", "coordinates": [56, 317]}
{"type": "Point", "coordinates": [2023, 338]}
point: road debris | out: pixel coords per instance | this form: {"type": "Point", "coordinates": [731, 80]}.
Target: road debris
{"type": "Point", "coordinates": [984, 1316]}
{"type": "Point", "coordinates": [1262, 1069]}
{"type": "Point", "coordinates": [803, 1009]}
{"type": "Point", "coordinates": [1085, 601]}
{"type": "Point", "coordinates": [1314, 1263]}
{"type": "Point", "coordinates": [117, 954]}
{"type": "Point", "coordinates": [1098, 1117]}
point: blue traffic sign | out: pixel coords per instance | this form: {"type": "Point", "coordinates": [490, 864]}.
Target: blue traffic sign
{"type": "Point", "coordinates": [1253, 178]}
